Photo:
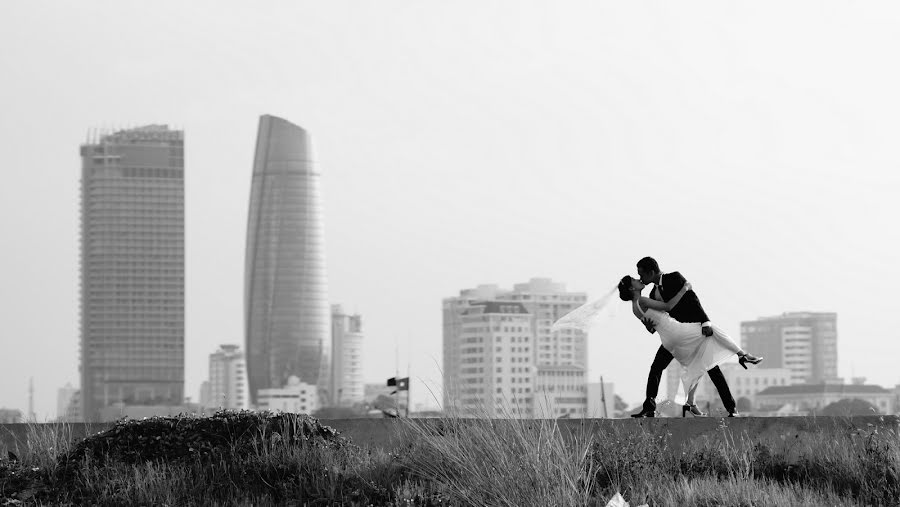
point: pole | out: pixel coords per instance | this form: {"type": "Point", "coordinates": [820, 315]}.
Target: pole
{"type": "Point", "coordinates": [31, 417]}
{"type": "Point", "coordinates": [408, 385]}
{"type": "Point", "coordinates": [603, 398]}
{"type": "Point", "coordinates": [396, 376]}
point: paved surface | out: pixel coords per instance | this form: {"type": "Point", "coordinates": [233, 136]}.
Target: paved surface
{"type": "Point", "coordinates": [386, 433]}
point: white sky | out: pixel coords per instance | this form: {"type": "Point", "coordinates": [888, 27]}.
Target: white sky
{"type": "Point", "coordinates": [752, 147]}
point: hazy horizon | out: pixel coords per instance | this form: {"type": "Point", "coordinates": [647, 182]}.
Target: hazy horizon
{"type": "Point", "coordinates": [751, 147]}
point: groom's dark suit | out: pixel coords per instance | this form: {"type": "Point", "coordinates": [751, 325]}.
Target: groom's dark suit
{"type": "Point", "coordinates": [688, 309]}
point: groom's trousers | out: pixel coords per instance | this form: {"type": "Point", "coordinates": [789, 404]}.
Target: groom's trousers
{"type": "Point", "coordinates": [662, 359]}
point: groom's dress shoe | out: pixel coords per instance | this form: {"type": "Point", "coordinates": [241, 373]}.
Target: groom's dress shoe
{"type": "Point", "coordinates": [647, 412]}
{"type": "Point", "coordinates": [734, 414]}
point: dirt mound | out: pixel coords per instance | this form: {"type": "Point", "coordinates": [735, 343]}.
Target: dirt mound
{"type": "Point", "coordinates": [188, 437]}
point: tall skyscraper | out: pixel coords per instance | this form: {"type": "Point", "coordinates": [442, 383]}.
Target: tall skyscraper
{"type": "Point", "coordinates": [287, 321]}
{"type": "Point", "coordinates": [347, 341]}
{"type": "Point", "coordinates": [501, 359]}
{"type": "Point", "coordinates": [132, 269]}
{"type": "Point", "coordinates": [227, 379]}
{"type": "Point", "coordinates": [803, 342]}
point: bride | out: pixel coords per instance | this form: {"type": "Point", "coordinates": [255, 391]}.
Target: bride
{"type": "Point", "coordinates": [696, 353]}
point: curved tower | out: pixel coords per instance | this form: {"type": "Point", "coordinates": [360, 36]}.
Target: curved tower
{"type": "Point", "coordinates": [286, 315]}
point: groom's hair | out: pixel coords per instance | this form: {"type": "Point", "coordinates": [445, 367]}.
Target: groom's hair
{"type": "Point", "coordinates": [649, 264]}
{"type": "Point", "coordinates": [625, 288]}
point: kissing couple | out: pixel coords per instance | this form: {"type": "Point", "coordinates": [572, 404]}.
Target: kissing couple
{"type": "Point", "coordinates": [673, 310]}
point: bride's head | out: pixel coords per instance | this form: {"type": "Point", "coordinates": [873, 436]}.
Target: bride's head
{"type": "Point", "coordinates": [627, 286]}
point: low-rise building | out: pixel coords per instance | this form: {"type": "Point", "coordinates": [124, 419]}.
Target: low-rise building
{"type": "Point", "coordinates": [10, 416]}
{"type": "Point", "coordinates": [744, 384]}
{"type": "Point", "coordinates": [296, 397]}
{"type": "Point", "coordinates": [63, 399]}
{"type": "Point", "coordinates": [804, 399]}
{"type": "Point", "coordinates": [205, 394]}
{"type": "Point", "coordinates": [73, 409]}
{"type": "Point", "coordinates": [560, 391]}
{"type": "Point", "coordinates": [227, 387]}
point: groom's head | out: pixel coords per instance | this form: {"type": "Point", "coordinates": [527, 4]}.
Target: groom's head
{"type": "Point", "coordinates": [648, 270]}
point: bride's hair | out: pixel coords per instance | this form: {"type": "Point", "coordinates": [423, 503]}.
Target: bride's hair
{"type": "Point", "coordinates": [625, 288]}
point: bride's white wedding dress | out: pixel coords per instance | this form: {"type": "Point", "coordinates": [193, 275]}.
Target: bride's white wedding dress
{"type": "Point", "coordinates": [695, 352]}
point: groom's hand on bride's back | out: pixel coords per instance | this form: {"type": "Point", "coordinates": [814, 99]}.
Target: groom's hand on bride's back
{"type": "Point", "coordinates": [649, 325]}
{"type": "Point", "coordinates": [707, 331]}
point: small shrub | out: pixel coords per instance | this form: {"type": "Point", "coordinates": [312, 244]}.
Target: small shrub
{"type": "Point", "coordinates": [185, 437]}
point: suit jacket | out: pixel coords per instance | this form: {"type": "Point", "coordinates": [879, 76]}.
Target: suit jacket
{"type": "Point", "coordinates": [689, 308]}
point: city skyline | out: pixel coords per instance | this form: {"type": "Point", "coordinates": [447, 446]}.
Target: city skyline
{"type": "Point", "coordinates": [460, 149]}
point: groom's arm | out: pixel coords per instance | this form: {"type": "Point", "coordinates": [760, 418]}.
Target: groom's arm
{"type": "Point", "coordinates": [705, 324]}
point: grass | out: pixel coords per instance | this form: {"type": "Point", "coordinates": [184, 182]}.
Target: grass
{"type": "Point", "coordinates": [266, 459]}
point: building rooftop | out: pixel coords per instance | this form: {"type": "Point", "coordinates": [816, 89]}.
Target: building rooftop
{"type": "Point", "coordinates": [823, 389]}
{"type": "Point", "coordinates": [483, 307]}
{"type": "Point", "coordinates": [144, 134]}
{"type": "Point", "coordinates": [543, 286]}
{"type": "Point", "coordinates": [796, 315]}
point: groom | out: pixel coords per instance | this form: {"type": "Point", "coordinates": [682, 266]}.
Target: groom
{"type": "Point", "coordinates": [666, 286]}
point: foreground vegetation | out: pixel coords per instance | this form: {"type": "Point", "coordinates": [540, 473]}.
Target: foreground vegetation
{"type": "Point", "coordinates": [244, 458]}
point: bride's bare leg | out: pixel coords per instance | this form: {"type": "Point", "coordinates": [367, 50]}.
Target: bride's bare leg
{"type": "Point", "coordinates": [727, 342]}
{"type": "Point", "coordinates": [690, 394]}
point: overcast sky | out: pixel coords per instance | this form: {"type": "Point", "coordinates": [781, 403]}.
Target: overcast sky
{"type": "Point", "coordinates": [753, 147]}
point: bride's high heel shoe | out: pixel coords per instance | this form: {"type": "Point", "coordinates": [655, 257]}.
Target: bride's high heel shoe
{"type": "Point", "coordinates": [692, 409]}
{"type": "Point", "coordinates": [749, 358]}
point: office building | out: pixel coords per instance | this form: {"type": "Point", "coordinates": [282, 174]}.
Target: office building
{"type": "Point", "coordinates": [132, 269]}
{"type": "Point", "coordinates": [288, 325]}
{"type": "Point", "coordinates": [227, 388]}
{"type": "Point", "coordinates": [73, 410]}
{"type": "Point", "coordinates": [502, 360]}
{"type": "Point", "coordinates": [64, 396]}
{"type": "Point", "coordinates": [347, 357]}
{"type": "Point", "coordinates": [206, 394]}
{"type": "Point", "coordinates": [803, 342]}
{"type": "Point", "coordinates": [547, 301]}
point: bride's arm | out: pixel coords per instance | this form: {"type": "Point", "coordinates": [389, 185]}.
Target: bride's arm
{"type": "Point", "coordinates": [666, 306]}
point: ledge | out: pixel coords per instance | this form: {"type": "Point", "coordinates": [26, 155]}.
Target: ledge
{"type": "Point", "coordinates": [386, 433]}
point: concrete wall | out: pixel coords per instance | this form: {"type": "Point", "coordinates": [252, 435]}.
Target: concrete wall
{"type": "Point", "coordinates": [387, 433]}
